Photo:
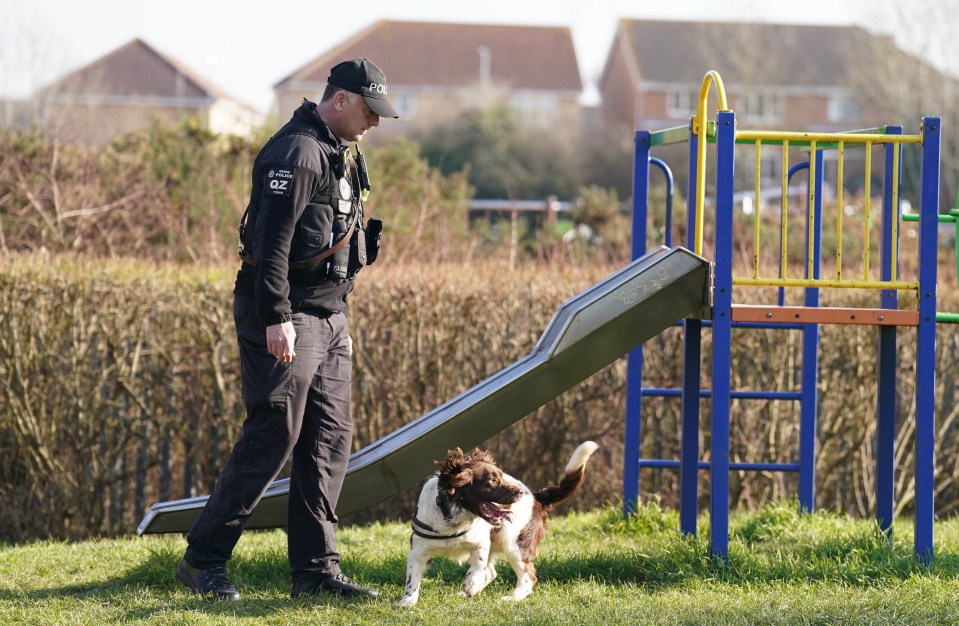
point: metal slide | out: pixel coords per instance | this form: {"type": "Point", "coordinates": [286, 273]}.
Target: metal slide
{"type": "Point", "coordinates": [587, 333]}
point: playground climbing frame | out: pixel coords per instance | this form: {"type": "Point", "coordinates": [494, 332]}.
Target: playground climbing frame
{"type": "Point", "coordinates": [919, 310]}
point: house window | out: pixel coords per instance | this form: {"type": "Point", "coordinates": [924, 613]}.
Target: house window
{"type": "Point", "coordinates": [842, 108]}
{"type": "Point", "coordinates": [761, 106]}
{"type": "Point", "coordinates": [680, 103]}
{"type": "Point", "coordinates": [535, 108]}
{"type": "Point", "coordinates": [402, 101]}
{"type": "Point", "coordinates": [771, 163]}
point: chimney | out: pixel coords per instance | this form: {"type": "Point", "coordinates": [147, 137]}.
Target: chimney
{"type": "Point", "coordinates": [484, 64]}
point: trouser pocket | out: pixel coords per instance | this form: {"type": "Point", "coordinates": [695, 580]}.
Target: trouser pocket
{"type": "Point", "coordinates": [265, 380]}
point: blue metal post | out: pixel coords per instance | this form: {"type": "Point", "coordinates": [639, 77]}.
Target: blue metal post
{"type": "Point", "coordinates": [634, 361]}
{"type": "Point", "coordinates": [926, 339]}
{"type": "Point", "coordinates": [781, 295]}
{"type": "Point", "coordinates": [692, 379]}
{"type": "Point", "coordinates": [722, 332]}
{"type": "Point", "coordinates": [810, 351]}
{"type": "Point", "coordinates": [668, 219]}
{"type": "Point", "coordinates": [689, 450]}
{"type": "Point", "coordinates": [886, 374]}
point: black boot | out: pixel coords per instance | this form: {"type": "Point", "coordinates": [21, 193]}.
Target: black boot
{"type": "Point", "coordinates": [210, 583]}
{"type": "Point", "coordinates": [333, 583]}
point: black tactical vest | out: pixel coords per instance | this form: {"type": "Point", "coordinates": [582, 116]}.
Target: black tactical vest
{"type": "Point", "coordinates": [339, 192]}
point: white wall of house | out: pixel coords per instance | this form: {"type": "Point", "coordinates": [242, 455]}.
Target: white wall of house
{"type": "Point", "coordinates": [232, 118]}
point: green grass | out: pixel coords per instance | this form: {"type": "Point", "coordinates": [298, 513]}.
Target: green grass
{"type": "Point", "coordinates": [594, 568]}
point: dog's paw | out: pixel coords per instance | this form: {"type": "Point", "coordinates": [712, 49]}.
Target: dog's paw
{"type": "Point", "coordinates": [514, 597]}
{"type": "Point", "coordinates": [405, 601]}
{"type": "Point", "coordinates": [473, 584]}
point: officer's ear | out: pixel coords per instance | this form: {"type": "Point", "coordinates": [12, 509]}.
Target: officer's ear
{"type": "Point", "coordinates": [341, 100]}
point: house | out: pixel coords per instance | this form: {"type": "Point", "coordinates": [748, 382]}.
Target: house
{"type": "Point", "coordinates": [776, 77]}
{"type": "Point", "coordinates": [784, 76]}
{"type": "Point", "coordinates": [436, 70]}
{"type": "Point", "coordinates": [131, 87]}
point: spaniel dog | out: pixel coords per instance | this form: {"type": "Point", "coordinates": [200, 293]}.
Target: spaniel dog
{"type": "Point", "coordinates": [472, 510]}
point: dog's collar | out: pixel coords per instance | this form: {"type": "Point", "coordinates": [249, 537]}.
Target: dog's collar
{"type": "Point", "coordinates": [419, 526]}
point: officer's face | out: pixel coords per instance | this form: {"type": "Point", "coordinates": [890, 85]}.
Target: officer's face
{"type": "Point", "coordinates": [357, 119]}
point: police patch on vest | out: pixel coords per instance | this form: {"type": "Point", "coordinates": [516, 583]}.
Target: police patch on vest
{"type": "Point", "coordinates": [279, 181]}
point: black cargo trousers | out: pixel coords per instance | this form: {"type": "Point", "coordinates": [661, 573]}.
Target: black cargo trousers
{"type": "Point", "coordinates": [302, 407]}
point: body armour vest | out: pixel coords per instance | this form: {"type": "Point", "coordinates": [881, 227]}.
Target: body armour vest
{"type": "Point", "coordinates": [301, 237]}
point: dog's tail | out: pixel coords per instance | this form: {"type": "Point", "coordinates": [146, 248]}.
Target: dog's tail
{"type": "Point", "coordinates": [572, 477]}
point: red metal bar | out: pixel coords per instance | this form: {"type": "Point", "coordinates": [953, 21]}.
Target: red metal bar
{"type": "Point", "coordinates": [823, 315]}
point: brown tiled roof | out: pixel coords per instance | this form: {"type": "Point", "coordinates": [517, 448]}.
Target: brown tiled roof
{"type": "Point", "coordinates": [425, 54]}
{"type": "Point", "coordinates": [134, 70]}
{"type": "Point", "coordinates": [751, 53]}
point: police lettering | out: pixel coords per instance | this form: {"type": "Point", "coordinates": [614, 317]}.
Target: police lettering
{"type": "Point", "coordinates": [280, 181]}
{"type": "Point", "coordinates": [378, 88]}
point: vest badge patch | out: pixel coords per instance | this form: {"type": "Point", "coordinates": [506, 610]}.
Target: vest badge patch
{"type": "Point", "coordinates": [279, 181]}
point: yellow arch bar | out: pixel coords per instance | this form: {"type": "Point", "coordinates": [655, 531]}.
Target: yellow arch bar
{"type": "Point", "coordinates": [699, 129]}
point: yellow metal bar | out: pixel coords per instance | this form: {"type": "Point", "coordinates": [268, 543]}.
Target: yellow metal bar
{"type": "Point", "coordinates": [801, 137]}
{"type": "Point", "coordinates": [826, 283]}
{"type": "Point", "coordinates": [894, 257]}
{"type": "Point", "coordinates": [699, 129]}
{"type": "Point", "coordinates": [784, 217]}
{"type": "Point", "coordinates": [759, 145]}
{"type": "Point", "coordinates": [811, 214]}
{"type": "Point", "coordinates": [841, 156]}
{"type": "Point", "coordinates": [868, 211]}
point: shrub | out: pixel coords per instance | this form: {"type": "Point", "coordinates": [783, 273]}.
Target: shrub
{"type": "Point", "coordinates": [119, 388]}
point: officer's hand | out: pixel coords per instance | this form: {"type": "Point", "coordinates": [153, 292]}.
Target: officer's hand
{"type": "Point", "coordinates": [279, 341]}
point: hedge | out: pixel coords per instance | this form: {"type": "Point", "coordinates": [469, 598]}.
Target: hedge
{"type": "Point", "coordinates": [119, 388]}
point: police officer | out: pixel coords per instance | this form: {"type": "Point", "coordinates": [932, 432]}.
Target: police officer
{"type": "Point", "coordinates": [302, 241]}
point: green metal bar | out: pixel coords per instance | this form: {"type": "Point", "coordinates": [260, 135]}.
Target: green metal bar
{"type": "Point", "coordinates": [954, 214]}
{"type": "Point", "coordinates": [914, 217]}
{"type": "Point", "coordinates": [678, 134]}
{"type": "Point", "coordinates": [953, 217]}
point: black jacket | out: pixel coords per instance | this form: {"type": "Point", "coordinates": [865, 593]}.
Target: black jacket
{"type": "Point", "coordinates": [295, 178]}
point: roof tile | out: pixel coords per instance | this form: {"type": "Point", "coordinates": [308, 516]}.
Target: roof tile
{"type": "Point", "coordinates": [746, 53]}
{"type": "Point", "coordinates": [420, 54]}
{"type": "Point", "coordinates": [135, 69]}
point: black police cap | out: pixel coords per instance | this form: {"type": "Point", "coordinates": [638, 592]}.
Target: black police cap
{"type": "Point", "coordinates": [363, 77]}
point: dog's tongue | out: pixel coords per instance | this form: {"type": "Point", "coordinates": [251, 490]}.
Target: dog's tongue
{"type": "Point", "coordinates": [494, 513]}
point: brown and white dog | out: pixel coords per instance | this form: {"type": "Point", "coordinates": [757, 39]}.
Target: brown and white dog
{"type": "Point", "coordinates": [472, 510]}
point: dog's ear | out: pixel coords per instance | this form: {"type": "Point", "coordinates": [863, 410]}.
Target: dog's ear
{"type": "Point", "coordinates": [453, 457]}
{"type": "Point", "coordinates": [460, 479]}
{"type": "Point", "coordinates": [455, 461]}
{"type": "Point", "coordinates": [455, 471]}
{"type": "Point", "coordinates": [482, 456]}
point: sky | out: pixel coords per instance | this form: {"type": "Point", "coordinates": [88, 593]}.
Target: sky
{"type": "Point", "coordinates": [245, 47]}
